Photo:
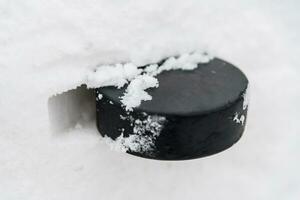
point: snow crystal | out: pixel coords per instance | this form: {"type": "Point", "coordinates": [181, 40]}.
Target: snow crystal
{"type": "Point", "coordinates": [185, 62]}
{"type": "Point", "coordinates": [143, 136]}
{"type": "Point", "coordinates": [100, 96]}
{"type": "Point", "coordinates": [135, 92]}
{"type": "Point", "coordinates": [246, 98]}
{"type": "Point", "coordinates": [239, 119]}
{"type": "Point", "coordinates": [151, 69]}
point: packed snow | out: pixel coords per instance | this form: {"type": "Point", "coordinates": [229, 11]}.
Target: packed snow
{"type": "Point", "coordinates": [112, 75]}
{"type": "Point", "coordinates": [49, 49]}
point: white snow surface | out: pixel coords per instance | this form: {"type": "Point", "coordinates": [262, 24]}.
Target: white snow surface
{"type": "Point", "coordinates": [112, 75]}
{"type": "Point", "coordinates": [50, 47]}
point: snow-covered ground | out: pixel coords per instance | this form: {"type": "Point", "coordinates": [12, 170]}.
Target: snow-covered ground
{"type": "Point", "coordinates": [50, 47]}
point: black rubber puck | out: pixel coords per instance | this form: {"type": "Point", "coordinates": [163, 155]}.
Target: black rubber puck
{"type": "Point", "coordinates": [192, 114]}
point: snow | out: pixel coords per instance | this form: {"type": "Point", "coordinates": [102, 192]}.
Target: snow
{"type": "Point", "coordinates": [246, 97]}
{"type": "Point", "coordinates": [239, 119]}
{"type": "Point", "coordinates": [112, 75]}
{"type": "Point", "coordinates": [138, 141]}
{"type": "Point", "coordinates": [135, 92]}
{"type": "Point", "coordinates": [100, 96]}
{"type": "Point", "coordinates": [185, 62]}
{"type": "Point", "coordinates": [50, 47]}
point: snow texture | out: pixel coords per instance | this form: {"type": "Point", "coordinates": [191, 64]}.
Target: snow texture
{"type": "Point", "coordinates": [112, 75]}
{"type": "Point", "coordinates": [240, 118]}
{"type": "Point", "coordinates": [49, 48]}
{"type": "Point", "coordinates": [144, 133]}
{"type": "Point", "coordinates": [135, 92]}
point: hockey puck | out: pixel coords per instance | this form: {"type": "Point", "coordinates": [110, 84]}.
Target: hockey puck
{"type": "Point", "coordinates": [192, 114]}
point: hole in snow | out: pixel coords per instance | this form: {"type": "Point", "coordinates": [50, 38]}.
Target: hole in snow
{"type": "Point", "coordinates": [72, 109]}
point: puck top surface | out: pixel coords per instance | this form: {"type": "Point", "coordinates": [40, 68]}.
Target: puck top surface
{"type": "Point", "coordinates": [208, 88]}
